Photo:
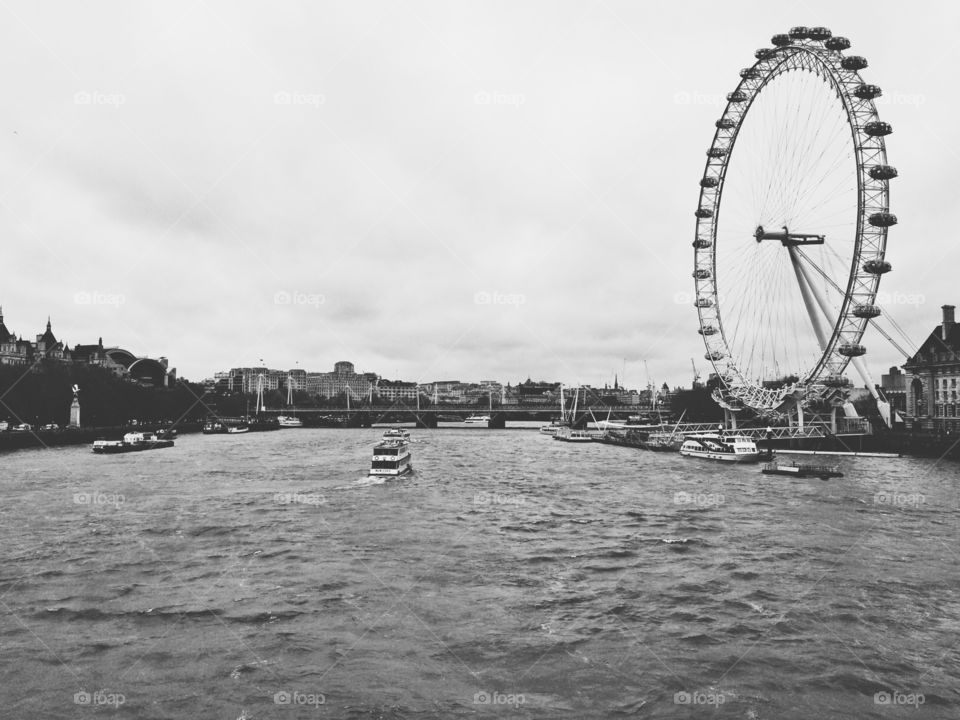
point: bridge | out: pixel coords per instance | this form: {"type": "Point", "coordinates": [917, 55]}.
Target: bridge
{"type": "Point", "coordinates": [430, 415]}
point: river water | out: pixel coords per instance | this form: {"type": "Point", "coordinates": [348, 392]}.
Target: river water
{"type": "Point", "coordinates": [264, 576]}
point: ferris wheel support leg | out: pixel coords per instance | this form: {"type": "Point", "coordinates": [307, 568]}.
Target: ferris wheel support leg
{"type": "Point", "coordinates": [729, 419]}
{"type": "Point", "coordinates": [882, 406]}
{"type": "Point", "coordinates": [807, 290]}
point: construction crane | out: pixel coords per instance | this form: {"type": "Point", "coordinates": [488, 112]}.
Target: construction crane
{"type": "Point", "coordinates": [696, 374]}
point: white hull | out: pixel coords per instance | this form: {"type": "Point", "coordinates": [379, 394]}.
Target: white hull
{"type": "Point", "coordinates": [727, 457]}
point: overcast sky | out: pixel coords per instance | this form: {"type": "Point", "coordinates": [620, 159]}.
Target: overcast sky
{"type": "Point", "coordinates": [432, 190]}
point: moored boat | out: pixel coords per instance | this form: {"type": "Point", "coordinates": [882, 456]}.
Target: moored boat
{"type": "Point", "coordinates": [573, 436]}
{"type": "Point", "coordinates": [824, 472]}
{"type": "Point", "coordinates": [391, 458]}
{"type": "Point", "coordinates": [131, 442]}
{"type": "Point", "coordinates": [477, 419]}
{"type": "Point", "coordinates": [720, 446]}
{"type": "Point", "coordinates": [289, 421]}
{"type": "Point", "coordinates": [396, 433]}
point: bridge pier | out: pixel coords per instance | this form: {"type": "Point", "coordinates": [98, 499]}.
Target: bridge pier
{"type": "Point", "coordinates": [427, 420]}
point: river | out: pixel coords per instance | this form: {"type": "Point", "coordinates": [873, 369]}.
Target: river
{"type": "Point", "coordinates": [265, 576]}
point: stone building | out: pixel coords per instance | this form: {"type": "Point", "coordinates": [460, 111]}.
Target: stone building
{"type": "Point", "coordinates": [932, 376]}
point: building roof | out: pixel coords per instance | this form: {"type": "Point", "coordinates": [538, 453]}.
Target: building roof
{"type": "Point", "coordinates": [5, 335]}
{"type": "Point", "coordinates": [936, 343]}
{"type": "Point", "coordinates": [48, 337]}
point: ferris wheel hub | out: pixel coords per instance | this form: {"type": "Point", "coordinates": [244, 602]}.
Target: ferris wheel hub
{"type": "Point", "coordinates": [788, 238]}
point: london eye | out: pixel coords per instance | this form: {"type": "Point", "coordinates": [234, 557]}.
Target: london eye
{"type": "Point", "coordinates": [791, 225]}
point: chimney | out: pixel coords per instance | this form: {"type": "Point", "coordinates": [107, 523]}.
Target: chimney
{"type": "Point", "coordinates": [948, 321]}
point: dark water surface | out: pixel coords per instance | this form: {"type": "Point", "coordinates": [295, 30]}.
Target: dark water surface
{"type": "Point", "coordinates": [263, 576]}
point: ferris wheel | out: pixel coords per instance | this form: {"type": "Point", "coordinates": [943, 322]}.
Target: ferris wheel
{"type": "Point", "coordinates": [787, 275]}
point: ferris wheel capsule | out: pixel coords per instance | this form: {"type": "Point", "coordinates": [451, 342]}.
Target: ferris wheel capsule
{"type": "Point", "coordinates": [702, 243]}
{"type": "Point", "coordinates": [704, 213]}
{"type": "Point", "coordinates": [878, 128]}
{"type": "Point", "coordinates": [726, 123]}
{"type": "Point", "coordinates": [877, 267]}
{"type": "Point", "coordinates": [868, 92]}
{"type": "Point", "coordinates": [820, 33]}
{"type": "Point", "coordinates": [799, 32]}
{"type": "Point", "coordinates": [883, 219]}
{"type": "Point", "coordinates": [852, 350]}
{"type": "Point", "coordinates": [837, 43]}
{"type": "Point", "coordinates": [853, 62]}
{"type": "Point", "coordinates": [781, 40]}
{"type": "Point", "coordinates": [882, 172]}
{"type": "Point", "coordinates": [867, 311]}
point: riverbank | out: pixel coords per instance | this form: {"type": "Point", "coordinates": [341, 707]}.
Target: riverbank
{"type": "Point", "coordinates": [57, 438]}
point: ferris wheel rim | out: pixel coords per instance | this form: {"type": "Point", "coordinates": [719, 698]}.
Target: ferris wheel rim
{"type": "Point", "coordinates": [841, 74]}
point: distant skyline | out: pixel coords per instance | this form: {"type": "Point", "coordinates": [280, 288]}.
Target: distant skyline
{"type": "Point", "coordinates": [428, 190]}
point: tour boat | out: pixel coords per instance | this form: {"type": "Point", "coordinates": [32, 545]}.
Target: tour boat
{"type": "Point", "coordinates": [554, 427]}
{"type": "Point", "coordinates": [396, 433]}
{"type": "Point", "coordinates": [824, 472]}
{"type": "Point", "coordinates": [391, 458]}
{"type": "Point", "coordinates": [235, 429]}
{"type": "Point", "coordinates": [214, 427]}
{"type": "Point", "coordinates": [720, 446]}
{"type": "Point", "coordinates": [475, 419]}
{"type": "Point", "coordinates": [289, 421]}
{"type": "Point", "coordinates": [132, 442]}
{"type": "Point", "coordinates": [574, 436]}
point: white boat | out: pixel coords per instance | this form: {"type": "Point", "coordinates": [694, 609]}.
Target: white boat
{"type": "Point", "coordinates": [289, 421]}
{"type": "Point", "coordinates": [476, 419]}
{"type": "Point", "coordinates": [720, 446]}
{"type": "Point", "coordinates": [132, 442]}
{"type": "Point", "coordinates": [554, 427]}
{"type": "Point", "coordinates": [396, 433]}
{"type": "Point", "coordinates": [391, 458]}
{"type": "Point", "coordinates": [574, 436]}
{"type": "Point", "coordinates": [236, 429]}
{"type": "Point", "coordinates": [559, 425]}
